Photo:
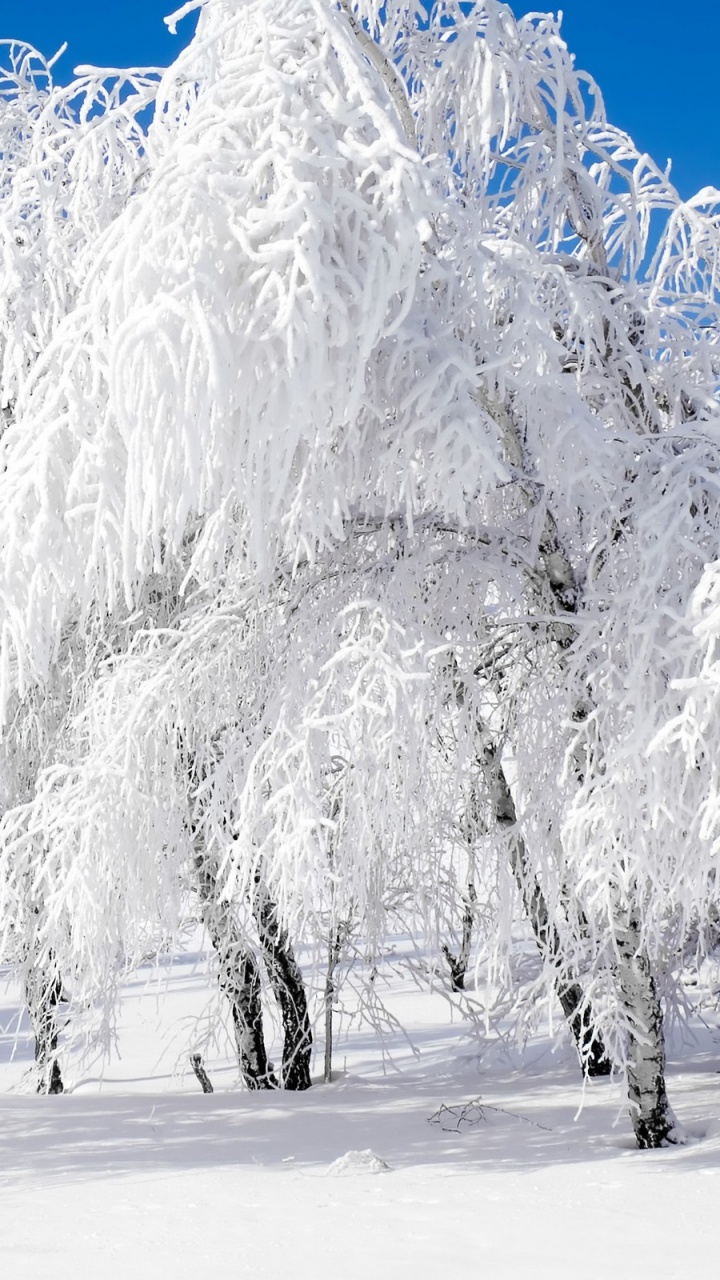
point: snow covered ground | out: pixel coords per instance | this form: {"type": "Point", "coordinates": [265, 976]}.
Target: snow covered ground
{"type": "Point", "coordinates": [139, 1174]}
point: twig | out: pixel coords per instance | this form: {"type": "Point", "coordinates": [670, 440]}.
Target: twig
{"type": "Point", "coordinates": [471, 1113]}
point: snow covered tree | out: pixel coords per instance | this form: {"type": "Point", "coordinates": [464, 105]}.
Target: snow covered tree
{"type": "Point", "coordinates": [371, 353]}
{"type": "Point", "coordinates": [71, 158]}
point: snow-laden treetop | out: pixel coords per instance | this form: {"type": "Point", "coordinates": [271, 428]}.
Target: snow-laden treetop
{"type": "Point", "coordinates": [292, 304]}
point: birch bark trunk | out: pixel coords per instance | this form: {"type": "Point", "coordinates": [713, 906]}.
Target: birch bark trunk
{"type": "Point", "coordinates": [239, 979]}
{"type": "Point", "coordinates": [43, 993]}
{"type": "Point", "coordinates": [652, 1118]}
{"type": "Point", "coordinates": [591, 1051]}
{"type": "Point", "coordinates": [288, 987]}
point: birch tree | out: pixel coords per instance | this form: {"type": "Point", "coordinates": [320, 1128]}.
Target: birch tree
{"type": "Point", "coordinates": [377, 359]}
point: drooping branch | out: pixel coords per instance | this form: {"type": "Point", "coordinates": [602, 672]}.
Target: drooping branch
{"type": "Point", "coordinates": [389, 73]}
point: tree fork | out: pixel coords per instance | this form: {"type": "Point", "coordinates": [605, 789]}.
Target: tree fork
{"type": "Point", "coordinates": [239, 978]}
{"type": "Point", "coordinates": [458, 963]}
{"type": "Point", "coordinates": [287, 983]}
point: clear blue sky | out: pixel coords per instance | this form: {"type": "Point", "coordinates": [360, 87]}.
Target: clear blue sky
{"type": "Point", "coordinates": [657, 68]}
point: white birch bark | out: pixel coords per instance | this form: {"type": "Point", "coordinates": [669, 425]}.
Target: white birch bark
{"type": "Point", "coordinates": [652, 1118]}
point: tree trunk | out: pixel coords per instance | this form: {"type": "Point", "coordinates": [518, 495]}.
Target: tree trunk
{"type": "Point", "coordinates": [334, 952]}
{"type": "Point", "coordinates": [459, 963]}
{"type": "Point", "coordinates": [652, 1118]}
{"type": "Point", "coordinates": [289, 989]}
{"type": "Point", "coordinates": [578, 1013]}
{"type": "Point", "coordinates": [239, 978]}
{"type": "Point", "coordinates": [203, 1078]}
{"type": "Point", "coordinates": [44, 992]}
{"type": "Point", "coordinates": [588, 1041]}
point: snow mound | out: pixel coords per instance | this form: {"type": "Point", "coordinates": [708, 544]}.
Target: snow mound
{"type": "Point", "coordinates": [359, 1162]}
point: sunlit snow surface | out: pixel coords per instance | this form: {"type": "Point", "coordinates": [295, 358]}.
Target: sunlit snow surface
{"type": "Point", "coordinates": [142, 1175]}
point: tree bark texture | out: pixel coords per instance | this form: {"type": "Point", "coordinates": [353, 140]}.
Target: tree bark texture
{"type": "Point", "coordinates": [289, 989]}
{"type": "Point", "coordinates": [44, 992]}
{"type": "Point", "coordinates": [458, 963]}
{"type": "Point", "coordinates": [652, 1119]}
{"type": "Point", "coordinates": [203, 1078]}
{"type": "Point", "coordinates": [239, 978]}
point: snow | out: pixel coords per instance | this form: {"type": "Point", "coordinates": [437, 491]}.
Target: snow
{"type": "Point", "coordinates": [138, 1172]}
{"type": "Point", "coordinates": [358, 1162]}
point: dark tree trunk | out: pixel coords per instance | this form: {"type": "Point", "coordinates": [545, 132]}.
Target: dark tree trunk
{"type": "Point", "coordinates": [239, 978]}
{"type": "Point", "coordinates": [44, 992]}
{"type": "Point", "coordinates": [289, 990]}
{"type": "Point", "coordinates": [204, 1081]}
{"type": "Point", "coordinates": [238, 973]}
{"type": "Point", "coordinates": [459, 963]}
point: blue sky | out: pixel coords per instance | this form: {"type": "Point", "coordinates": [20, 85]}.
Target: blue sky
{"type": "Point", "coordinates": [657, 69]}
